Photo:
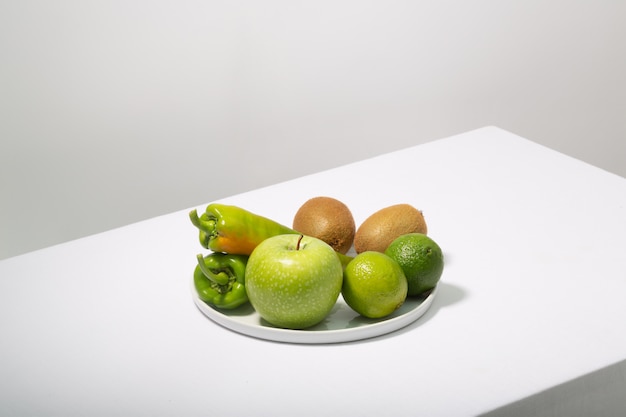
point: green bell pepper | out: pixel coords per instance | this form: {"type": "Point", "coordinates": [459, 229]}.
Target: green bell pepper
{"type": "Point", "coordinates": [219, 280]}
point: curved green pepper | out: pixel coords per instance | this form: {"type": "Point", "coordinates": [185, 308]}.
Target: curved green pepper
{"type": "Point", "coordinates": [231, 229]}
{"type": "Point", "coordinates": [219, 280]}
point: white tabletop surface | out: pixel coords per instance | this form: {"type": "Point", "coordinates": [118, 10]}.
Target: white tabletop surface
{"type": "Point", "coordinates": [532, 296]}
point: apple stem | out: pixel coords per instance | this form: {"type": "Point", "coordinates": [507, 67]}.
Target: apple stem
{"type": "Point", "coordinates": [299, 240]}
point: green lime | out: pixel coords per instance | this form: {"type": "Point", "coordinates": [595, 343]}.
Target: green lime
{"type": "Point", "coordinates": [374, 284]}
{"type": "Point", "coordinates": [420, 258]}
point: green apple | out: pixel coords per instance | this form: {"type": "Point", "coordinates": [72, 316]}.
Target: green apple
{"type": "Point", "coordinates": [293, 281]}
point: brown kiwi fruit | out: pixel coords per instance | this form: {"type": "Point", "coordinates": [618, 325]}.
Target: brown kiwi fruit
{"type": "Point", "coordinates": [327, 219]}
{"type": "Point", "coordinates": [383, 227]}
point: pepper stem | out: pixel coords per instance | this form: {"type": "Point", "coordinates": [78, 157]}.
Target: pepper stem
{"type": "Point", "coordinates": [220, 278]}
{"type": "Point", "coordinates": [206, 225]}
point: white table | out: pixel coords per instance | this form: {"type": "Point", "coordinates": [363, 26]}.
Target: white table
{"type": "Point", "coordinates": [528, 319]}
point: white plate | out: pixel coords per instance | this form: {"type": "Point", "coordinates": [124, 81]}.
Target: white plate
{"type": "Point", "coordinates": [342, 324]}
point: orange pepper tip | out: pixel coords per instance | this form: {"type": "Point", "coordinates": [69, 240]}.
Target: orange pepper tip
{"type": "Point", "coordinates": [233, 246]}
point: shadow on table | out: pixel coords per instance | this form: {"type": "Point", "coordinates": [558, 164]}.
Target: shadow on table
{"type": "Point", "coordinates": [447, 295]}
{"type": "Point", "coordinates": [600, 393]}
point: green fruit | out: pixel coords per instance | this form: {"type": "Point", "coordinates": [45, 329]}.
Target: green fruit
{"type": "Point", "coordinates": [421, 259]}
{"type": "Point", "coordinates": [293, 281]}
{"type": "Point", "coordinates": [374, 285]}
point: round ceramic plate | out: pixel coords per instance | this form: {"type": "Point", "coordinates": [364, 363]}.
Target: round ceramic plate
{"type": "Point", "coordinates": [342, 324]}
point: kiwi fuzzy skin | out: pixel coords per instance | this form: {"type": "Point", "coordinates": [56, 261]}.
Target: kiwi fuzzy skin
{"type": "Point", "coordinates": [328, 219]}
{"type": "Point", "coordinates": [383, 227]}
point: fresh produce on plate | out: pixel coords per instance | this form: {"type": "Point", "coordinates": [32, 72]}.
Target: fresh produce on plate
{"type": "Point", "coordinates": [293, 277]}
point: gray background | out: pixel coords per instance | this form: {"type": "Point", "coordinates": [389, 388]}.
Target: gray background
{"type": "Point", "coordinates": [116, 111]}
